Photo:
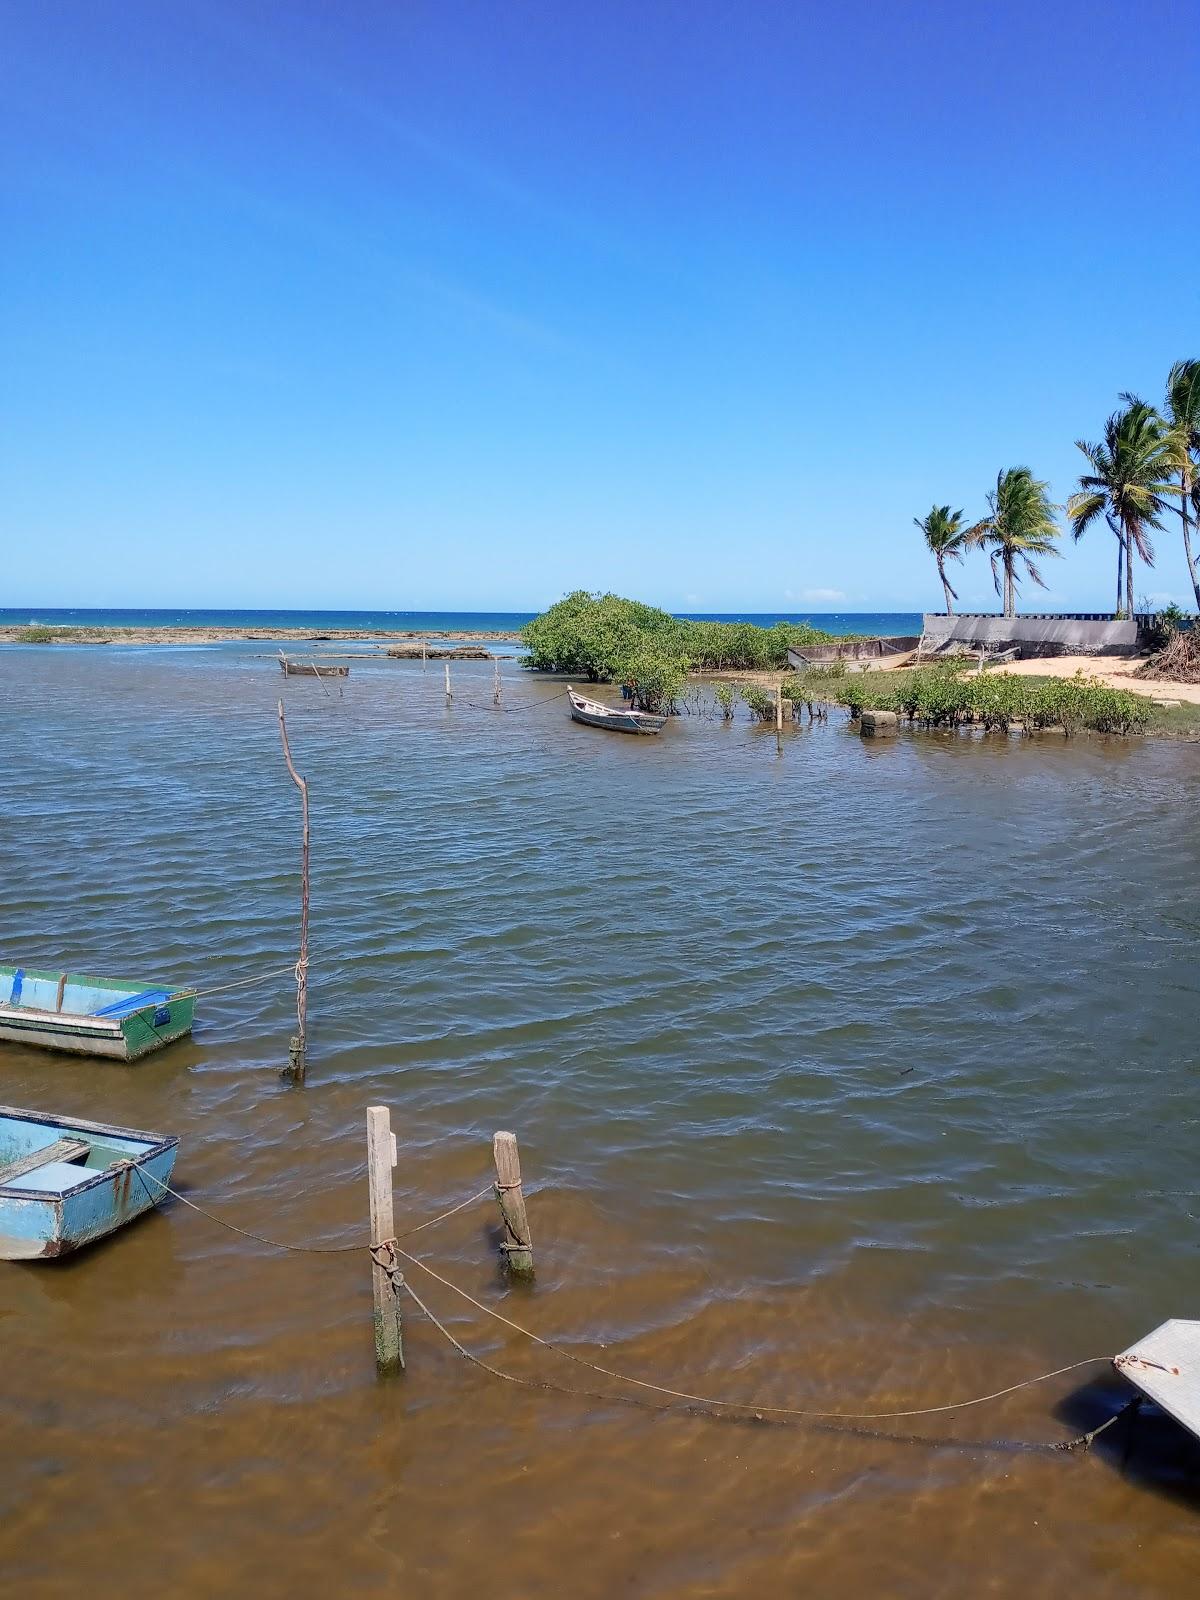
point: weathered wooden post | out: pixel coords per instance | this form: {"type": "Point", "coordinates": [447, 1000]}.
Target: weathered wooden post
{"type": "Point", "coordinates": [423, 648]}
{"type": "Point", "coordinates": [779, 707]}
{"type": "Point", "coordinates": [296, 1048]}
{"type": "Point", "coordinates": [517, 1243]}
{"type": "Point", "coordinates": [496, 684]}
{"type": "Point", "coordinates": [381, 1158]}
{"type": "Point", "coordinates": [449, 694]}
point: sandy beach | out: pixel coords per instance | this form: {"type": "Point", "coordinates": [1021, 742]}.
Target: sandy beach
{"type": "Point", "coordinates": [1116, 671]}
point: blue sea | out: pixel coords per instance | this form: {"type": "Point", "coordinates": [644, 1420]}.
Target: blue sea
{"type": "Point", "coordinates": [322, 621]}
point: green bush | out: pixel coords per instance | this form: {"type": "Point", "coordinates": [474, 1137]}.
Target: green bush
{"type": "Point", "coordinates": [726, 697]}
{"type": "Point", "coordinates": [654, 675]}
{"type": "Point", "coordinates": [760, 704]}
{"type": "Point", "coordinates": [37, 635]}
{"type": "Point", "coordinates": [1172, 619]}
{"type": "Point", "coordinates": [589, 634]}
{"type": "Point", "coordinates": [946, 697]}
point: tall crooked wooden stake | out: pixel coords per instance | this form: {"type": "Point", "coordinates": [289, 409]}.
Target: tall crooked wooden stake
{"type": "Point", "coordinates": [296, 1065]}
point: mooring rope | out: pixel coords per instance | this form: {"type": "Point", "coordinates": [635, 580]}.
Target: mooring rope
{"type": "Point", "coordinates": [748, 1405]}
{"type": "Point", "coordinates": [1083, 1441]}
{"type": "Point", "coordinates": [305, 1249]}
{"type": "Point", "coordinates": [244, 983]}
{"type": "Point", "coordinates": [523, 705]}
{"type": "Point", "coordinates": [713, 1406]}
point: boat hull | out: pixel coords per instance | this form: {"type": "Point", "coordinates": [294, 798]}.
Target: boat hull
{"type": "Point", "coordinates": [613, 720]}
{"type": "Point", "coordinates": [139, 1030]}
{"type": "Point", "coordinates": [310, 669]}
{"type": "Point", "coordinates": [53, 1211]}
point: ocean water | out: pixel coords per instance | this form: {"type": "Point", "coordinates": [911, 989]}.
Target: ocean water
{"type": "Point", "coordinates": [857, 1078]}
{"type": "Point", "coordinates": [320, 621]}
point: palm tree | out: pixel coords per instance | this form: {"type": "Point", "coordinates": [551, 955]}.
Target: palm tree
{"type": "Point", "coordinates": [1183, 414]}
{"type": "Point", "coordinates": [947, 537]}
{"type": "Point", "coordinates": [1021, 526]}
{"type": "Point", "coordinates": [1132, 472]}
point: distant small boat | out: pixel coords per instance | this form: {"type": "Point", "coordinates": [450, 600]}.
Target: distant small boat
{"type": "Point", "coordinates": [91, 1016]}
{"type": "Point", "coordinates": [618, 720]}
{"type": "Point", "coordinates": [310, 669]}
{"type": "Point", "coordinates": [66, 1183]}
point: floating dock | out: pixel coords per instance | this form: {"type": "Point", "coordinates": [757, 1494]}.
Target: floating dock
{"type": "Point", "coordinates": [1165, 1366]}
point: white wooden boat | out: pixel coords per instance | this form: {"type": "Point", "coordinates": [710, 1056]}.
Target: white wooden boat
{"type": "Point", "coordinates": [615, 718]}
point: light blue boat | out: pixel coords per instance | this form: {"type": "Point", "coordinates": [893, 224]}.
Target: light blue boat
{"type": "Point", "coordinates": [66, 1183]}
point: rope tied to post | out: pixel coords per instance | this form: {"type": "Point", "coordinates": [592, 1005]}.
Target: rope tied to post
{"type": "Point", "coordinates": [384, 1257]}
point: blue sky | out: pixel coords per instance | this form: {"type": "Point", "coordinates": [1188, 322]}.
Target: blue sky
{"type": "Point", "coordinates": [466, 305]}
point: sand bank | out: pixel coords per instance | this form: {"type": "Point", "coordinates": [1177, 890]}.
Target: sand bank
{"type": "Point", "coordinates": [1115, 671]}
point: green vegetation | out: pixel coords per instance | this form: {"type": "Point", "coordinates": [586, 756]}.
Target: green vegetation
{"type": "Point", "coordinates": [743, 646]}
{"type": "Point", "coordinates": [605, 638]}
{"type": "Point", "coordinates": [36, 635]}
{"type": "Point", "coordinates": [759, 703]}
{"type": "Point", "coordinates": [726, 697]}
{"type": "Point", "coordinates": [946, 697]}
{"type": "Point", "coordinates": [654, 676]}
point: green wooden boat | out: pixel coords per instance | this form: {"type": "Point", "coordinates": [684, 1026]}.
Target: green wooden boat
{"type": "Point", "coordinates": [91, 1016]}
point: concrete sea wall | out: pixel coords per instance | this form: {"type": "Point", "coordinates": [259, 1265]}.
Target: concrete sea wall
{"type": "Point", "coordinates": [1047, 634]}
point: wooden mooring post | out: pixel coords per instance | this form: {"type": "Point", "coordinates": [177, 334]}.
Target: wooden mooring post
{"type": "Point", "coordinates": [296, 1066]}
{"type": "Point", "coordinates": [517, 1244]}
{"type": "Point", "coordinates": [424, 647]}
{"type": "Point", "coordinates": [449, 692]}
{"type": "Point", "coordinates": [381, 1158]}
{"type": "Point", "coordinates": [496, 684]}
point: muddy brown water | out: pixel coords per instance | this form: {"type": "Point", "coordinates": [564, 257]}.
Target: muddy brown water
{"type": "Point", "coordinates": [861, 1078]}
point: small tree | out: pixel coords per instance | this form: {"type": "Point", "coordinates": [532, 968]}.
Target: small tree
{"type": "Point", "coordinates": [654, 677]}
{"type": "Point", "coordinates": [726, 697]}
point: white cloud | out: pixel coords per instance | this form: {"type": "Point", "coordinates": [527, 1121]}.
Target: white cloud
{"type": "Point", "coordinates": [821, 594]}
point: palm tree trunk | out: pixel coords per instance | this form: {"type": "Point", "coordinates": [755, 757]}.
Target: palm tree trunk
{"type": "Point", "coordinates": [1120, 572]}
{"type": "Point", "coordinates": [1129, 575]}
{"type": "Point", "coordinates": [1186, 484]}
{"type": "Point", "coordinates": [945, 585]}
{"type": "Point", "coordinates": [1010, 596]}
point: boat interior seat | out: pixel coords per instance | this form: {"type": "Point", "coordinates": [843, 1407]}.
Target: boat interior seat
{"type": "Point", "coordinates": [67, 1152]}
{"type": "Point", "coordinates": [134, 1002]}
{"type": "Point", "coordinates": [54, 1177]}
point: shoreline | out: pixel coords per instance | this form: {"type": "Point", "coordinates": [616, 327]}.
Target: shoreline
{"type": "Point", "coordinates": [11, 633]}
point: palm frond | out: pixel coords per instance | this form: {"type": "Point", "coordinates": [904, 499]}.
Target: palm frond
{"type": "Point", "coordinates": [1083, 509]}
{"type": "Point", "coordinates": [1183, 399]}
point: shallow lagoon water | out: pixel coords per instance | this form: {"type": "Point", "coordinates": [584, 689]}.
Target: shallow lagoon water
{"type": "Point", "coordinates": [861, 1078]}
